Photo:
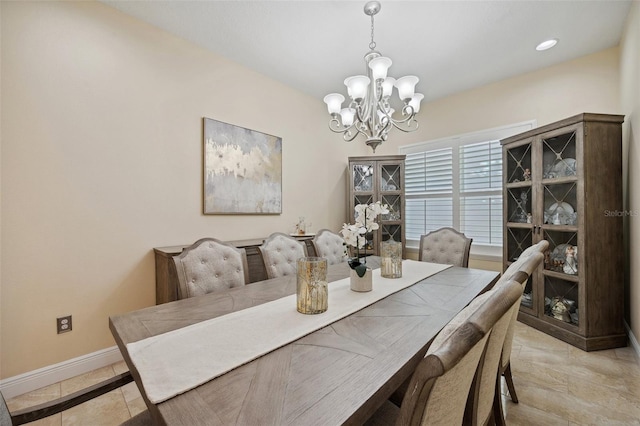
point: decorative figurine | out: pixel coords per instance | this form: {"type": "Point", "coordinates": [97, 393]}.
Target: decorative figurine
{"type": "Point", "coordinates": [560, 310]}
{"type": "Point", "coordinates": [570, 264]}
{"type": "Point", "coordinates": [521, 207]}
{"type": "Point", "coordinates": [526, 175]}
{"type": "Point", "coordinates": [301, 226]}
{"type": "Point", "coordinates": [529, 218]}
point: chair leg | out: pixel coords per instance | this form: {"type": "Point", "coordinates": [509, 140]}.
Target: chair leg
{"type": "Point", "coordinates": [509, 379]}
{"type": "Point", "coordinates": [497, 413]}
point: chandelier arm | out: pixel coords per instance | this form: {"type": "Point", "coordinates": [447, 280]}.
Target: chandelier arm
{"type": "Point", "coordinates": [408, 128]}
{"type": "Point", "coordinates": [407, 112]}
{"type": "Point", "coordinates": [336, 126]}
{"type": "Point", "coordinates": [409, 121]}
{"type": "Point", "coordinates": [363, 128]}
{"type": "Point", "coordinates": [348, 136]}
{"type": "Point", "coordinates": [362, 116]}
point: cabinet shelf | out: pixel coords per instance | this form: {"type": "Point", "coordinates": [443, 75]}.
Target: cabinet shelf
{"type": "Point", "coordinates": [562, 162]}
{"type": "Point", "coordinates": [559, 180]}
{"type": "Point", "coordinates": [574, 328]}
{"type": "Point", "coordinates": [559, 228]}
{"type": "Point", "coordinates": [560, 275]}
{"type": "Point", "coordinates": [522, 184]}
{"type": "Point", "coordinates": [519, 225]}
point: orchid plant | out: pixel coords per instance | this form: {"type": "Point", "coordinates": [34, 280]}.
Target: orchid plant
{"type": "Point", "coordinates": [355, 235]}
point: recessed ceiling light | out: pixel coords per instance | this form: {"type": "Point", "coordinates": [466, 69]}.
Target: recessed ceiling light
{"type": "Point", "coordinates": [547, 44]}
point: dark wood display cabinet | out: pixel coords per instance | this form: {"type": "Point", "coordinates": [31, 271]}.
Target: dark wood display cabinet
{"type": "Point", "coordinates": [563, 183]}
{"type": "Point", "coordinates": [379, 178]}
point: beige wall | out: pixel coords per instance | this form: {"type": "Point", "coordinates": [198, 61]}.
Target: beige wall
{"type": "Point", "coordinates": [101, 162]}
{"type": "Point", "coordinates": [101, 159]}
{"type": "Point", "coordinates": [586, 84]}
{"type": "Point", "coordinates": [630, 101]}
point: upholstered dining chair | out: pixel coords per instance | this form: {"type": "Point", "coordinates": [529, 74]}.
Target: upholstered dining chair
{"type": "Point", "coordinates": [331, 246]}
{"type": "Point", "coordinates": [47, 409]}
{"type": "Point", "coordinates": [280, 253]}
{"type": "Point", "coordinates": [210, 265]}
{"type": "Point", "coordinates": [540, 247]}
{"type": "Point", "coordinates": [445, 245]}
{"type": "Point", "coordinates": [438, 390]}
{"type": "Point", "coordinates": [485, 405]}
{"type": "Point", "coordinates": [520, 271]}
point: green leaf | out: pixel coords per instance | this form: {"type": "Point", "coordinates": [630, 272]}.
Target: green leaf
{"type": "Point", "coordinates": [361, 269]}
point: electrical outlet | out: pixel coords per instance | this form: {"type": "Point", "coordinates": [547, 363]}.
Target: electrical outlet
{"type": "Point", "coordinates": [64, 324]}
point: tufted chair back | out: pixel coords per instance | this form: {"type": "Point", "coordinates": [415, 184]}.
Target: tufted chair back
{"type": "Point", "coordinates": [330, 246]}
{"type": "Point", "coordinates": [280, 253]}
{"type": "Point", "coordinates": [210, 265]}
{"type": "Point", "coordinates": [446, 246]}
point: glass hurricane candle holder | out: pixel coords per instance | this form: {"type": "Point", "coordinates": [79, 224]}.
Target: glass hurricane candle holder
{"type": "Point", "coordinates": [391, 259]}
{"type": "Point", "coordinates": [312, 288]}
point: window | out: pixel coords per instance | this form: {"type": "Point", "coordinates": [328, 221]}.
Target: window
{"type": "Point", "coordinates": [457, 182]}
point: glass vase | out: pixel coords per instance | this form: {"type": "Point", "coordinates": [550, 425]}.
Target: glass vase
{"type": "Point", "coordinates": [391, 259]}
{"type": "Point", "coordinates": [312, 288]}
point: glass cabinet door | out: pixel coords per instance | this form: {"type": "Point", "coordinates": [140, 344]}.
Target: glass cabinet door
{"type": "Point", "coordinates": [519, 211]}
{"type": "Point", "coordinates": [378, 178]}
{"type": "Point", "coordinates": [362, 177]}
{"type": "Point", "coordinates": [518, 164]}
{"type": "Point", "coordinates": [561, 267]}
{"type": "Point", "coordinates": [390, 189]}
{"type": "Point", "coordinates": [560, 228]}
{"type": "Point", "coordinates": [363, 180]}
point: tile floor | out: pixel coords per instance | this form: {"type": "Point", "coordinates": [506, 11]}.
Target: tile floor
{"type": "Point", "coordinates": [556, 383]}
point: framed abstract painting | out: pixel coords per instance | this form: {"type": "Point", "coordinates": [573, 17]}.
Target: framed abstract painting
{"type": "Point", "coordinates": [242, 170]}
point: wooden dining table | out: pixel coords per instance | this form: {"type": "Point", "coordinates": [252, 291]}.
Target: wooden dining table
{"type": "Point", "coordinates": [339, 374]}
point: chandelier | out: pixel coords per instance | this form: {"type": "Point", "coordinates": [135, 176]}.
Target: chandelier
{"type": "Point", "coordinates": [369, 111]}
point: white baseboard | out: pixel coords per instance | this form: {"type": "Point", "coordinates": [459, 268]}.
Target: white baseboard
{"type": "Point", "coordinates": [632, 340]}
{"type": "Point", "coordinates": [27, 382]}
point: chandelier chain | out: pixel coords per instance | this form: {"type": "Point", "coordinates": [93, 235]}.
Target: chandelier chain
{"type": "Point", "coordinates": [372, 45]}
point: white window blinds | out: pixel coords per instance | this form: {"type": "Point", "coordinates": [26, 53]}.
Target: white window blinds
{"type": "Point", "coordinates": [481, 192]}
{"type": "Point", "coordinates": [457, 182]}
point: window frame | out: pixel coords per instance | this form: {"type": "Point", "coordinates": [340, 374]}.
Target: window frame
{"type": "Point", "coordinates": [478, 251]}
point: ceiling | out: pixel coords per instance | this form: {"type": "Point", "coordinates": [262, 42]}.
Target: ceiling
{"type": "Point", "coordinates": [451, 46]}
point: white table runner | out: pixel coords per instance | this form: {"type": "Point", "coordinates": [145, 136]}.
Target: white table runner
{"type": "Point", "coordinates": [180, 360]}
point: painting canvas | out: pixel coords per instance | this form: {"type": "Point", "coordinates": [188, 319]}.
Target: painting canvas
{"type": "Point", "coordinates": [242, 170]}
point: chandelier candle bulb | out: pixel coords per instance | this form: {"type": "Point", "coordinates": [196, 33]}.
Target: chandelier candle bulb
{"type": "Point", "coordinates": [387, 86]}
{"type": "Point", "coordinates": [347, 115]}
{"type": "Point", "coordinates": [357, 86]}
{"type": "Point", "coordinates": [379, 67]}
{"type": "Point", "coordinates": [334, 102]}
{"type": "Point", "coordinates": [415, 101]}
{"type": "Point", "coordinates": [406, 87]}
